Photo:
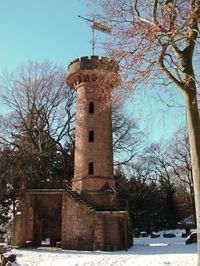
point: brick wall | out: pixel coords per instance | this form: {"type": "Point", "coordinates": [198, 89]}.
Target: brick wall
{"type": "Point", "coordinates": [77, 225]}
{"type": "Point", "coordinates": [92, 77]}
{"type": "Point", "coordinates": [100, 150]}
{"type": "Point", "coordinates": [78, 228]}
{"type": "Point", "coordinates": [35, 210]}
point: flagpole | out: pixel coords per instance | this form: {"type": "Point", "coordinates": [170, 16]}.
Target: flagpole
{"type": "Point", "coordinates": [93, 42]}
{"type": "Point", "coordinates": [96, 26]}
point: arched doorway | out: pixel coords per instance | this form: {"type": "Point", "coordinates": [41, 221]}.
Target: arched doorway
{"type": "Point", "coordinates": [43, 219]}
{"type": "Point", "coordinates": [30, 226]}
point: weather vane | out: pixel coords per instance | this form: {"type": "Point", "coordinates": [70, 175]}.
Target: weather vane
{"type": "Point", "coordinates": [96, 26]}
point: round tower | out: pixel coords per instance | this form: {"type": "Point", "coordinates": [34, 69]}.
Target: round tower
{"type": "Point", "coordinates": [93, 78]}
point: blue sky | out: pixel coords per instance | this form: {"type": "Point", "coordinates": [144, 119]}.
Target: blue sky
{"type": "Point", "coordinates": [40, 30]}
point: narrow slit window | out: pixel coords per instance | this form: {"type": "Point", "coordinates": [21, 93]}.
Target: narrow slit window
{"type": "Point", "coordinates": [91, 136]}
{"type": "Point", "coordinates": [91, 168]}
{"type": "Point", "coordinates": [91, 108]}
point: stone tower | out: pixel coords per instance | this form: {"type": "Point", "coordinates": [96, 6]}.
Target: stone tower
{"type": "Point", "coordinates": [93, 79]}
{"type": "Point", "coordinates": [84, 215]}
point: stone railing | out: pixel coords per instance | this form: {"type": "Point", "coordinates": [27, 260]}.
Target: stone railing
{"type": "Point", "coordinates": [46, 185]}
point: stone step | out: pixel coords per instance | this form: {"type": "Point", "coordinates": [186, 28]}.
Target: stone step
{"type": "Point", "coordinates": [75, 196]}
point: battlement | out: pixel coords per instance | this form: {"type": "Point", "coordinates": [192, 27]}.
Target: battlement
{"type": "Point", "coordinates": [93, 69]}
{"type": "Point", "coordinates": [93, 62]}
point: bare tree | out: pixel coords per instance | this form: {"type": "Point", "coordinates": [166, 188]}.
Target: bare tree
{"type": "Point", "coordinates": [40, 117]}
{"type": "Point", "coordinates": [161, 170]}
{"type": "Point", "coordinates": [127, 138]}
{"type": "Point", "coordinates": [179, 155]}
{"type": "Point", "coordinates": [37, 95]}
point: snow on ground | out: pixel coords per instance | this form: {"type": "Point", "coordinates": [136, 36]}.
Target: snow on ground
{"type": "Point", "coordinates": [145, 252]}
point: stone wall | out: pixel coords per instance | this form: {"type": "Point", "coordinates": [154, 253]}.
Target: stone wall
{"type": "Point", "coordinates": [37, 209]}
{"type": "Point", "coordinates": [83, 229]}
{"type": "Point", "coordinates": [101, 199]}
{"type": "Point", "coordinates": [77, 225]}
{"type": "Point", "coordinates": [93, 78]}
{"type": "Point", "coordinates": [73, 223]}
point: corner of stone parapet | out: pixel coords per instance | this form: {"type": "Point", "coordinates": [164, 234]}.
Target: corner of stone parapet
{"type": "Point", "coordinates": [93, 58]}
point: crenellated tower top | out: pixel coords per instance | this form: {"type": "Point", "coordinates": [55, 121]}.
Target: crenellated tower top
{"type": "Point", "coordinates": [93, 69]}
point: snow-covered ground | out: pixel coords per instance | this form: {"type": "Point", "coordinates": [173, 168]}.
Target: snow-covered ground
{"type": "Point", "coordinates": [145, 252]}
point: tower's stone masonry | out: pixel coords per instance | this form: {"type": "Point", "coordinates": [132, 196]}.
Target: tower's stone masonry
{"type": "Point", "coordinates": [93, 78]}
{"type": "Point", "coordinates": [86, 216]}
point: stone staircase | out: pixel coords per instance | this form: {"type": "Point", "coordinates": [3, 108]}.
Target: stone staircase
{"type": "Point", "coordinates": [76, 197]}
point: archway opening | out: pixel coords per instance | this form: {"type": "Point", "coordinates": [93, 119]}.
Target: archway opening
{"type": "Point", "coordinates": [45, 239]}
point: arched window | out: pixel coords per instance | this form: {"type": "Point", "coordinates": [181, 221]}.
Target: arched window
{"type": "Point", "coordinates": [91, 108]}
{"type": "Point", "coordinates": [91, 136]}
{"type": "Point", "coordinates": [90, 168]}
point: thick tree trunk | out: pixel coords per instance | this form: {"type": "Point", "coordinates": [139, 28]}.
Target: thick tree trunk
{"type": "Point", "coordinates": [193, 203]}
{"type": "Point", "coordinates": [193, 121]}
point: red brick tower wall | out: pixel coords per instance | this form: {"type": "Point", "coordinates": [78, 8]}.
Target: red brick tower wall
{"type": "Point", "coordinates": [92, 77]}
